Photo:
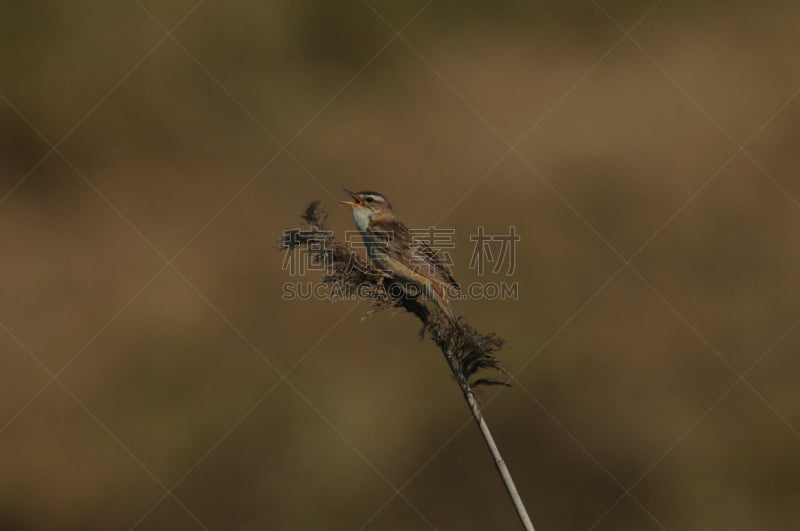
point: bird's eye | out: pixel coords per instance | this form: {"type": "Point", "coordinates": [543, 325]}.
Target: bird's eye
{"type": "Point", "coordinates": [370, 199]}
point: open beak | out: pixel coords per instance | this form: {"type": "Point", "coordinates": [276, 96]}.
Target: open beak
{"type": "Point", "coordinates": [355, 202]}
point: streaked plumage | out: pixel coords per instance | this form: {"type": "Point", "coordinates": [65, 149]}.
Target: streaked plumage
{"type": "Point", "coordinates": [394, 250]}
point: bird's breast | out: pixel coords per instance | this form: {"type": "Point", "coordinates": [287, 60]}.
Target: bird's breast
{"type": "Point", "coordinates": [361, 217]}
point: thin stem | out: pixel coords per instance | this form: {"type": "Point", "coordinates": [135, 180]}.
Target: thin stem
{"type": "Point", "coordinates": [511, 488]}
{"type": "Point", "coordinates": [477, 349]}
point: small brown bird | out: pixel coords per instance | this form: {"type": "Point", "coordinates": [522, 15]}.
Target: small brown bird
{"type": "Point", "coordinates": [393, 250]}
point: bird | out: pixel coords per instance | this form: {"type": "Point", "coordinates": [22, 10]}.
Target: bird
{"type": "Point", "coordinates": [392, 249]}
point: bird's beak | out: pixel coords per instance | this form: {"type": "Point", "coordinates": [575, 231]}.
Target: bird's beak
{"type": "Point", "coordinates": [355, 202]}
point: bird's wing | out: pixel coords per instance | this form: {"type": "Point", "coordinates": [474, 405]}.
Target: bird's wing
{"type": "Point", "coordinates": [425, 261]}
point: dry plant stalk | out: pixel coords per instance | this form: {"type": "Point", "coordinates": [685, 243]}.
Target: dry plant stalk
{"type": "Point", "coordinates": [466, 351]}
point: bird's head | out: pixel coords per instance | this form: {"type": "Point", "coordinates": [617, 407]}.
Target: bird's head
{"type": "Point", "coordinates": [368, 205]}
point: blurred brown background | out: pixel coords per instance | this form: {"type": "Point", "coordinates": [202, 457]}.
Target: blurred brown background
{"type": "Point", "coordinates": [628, 411]}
